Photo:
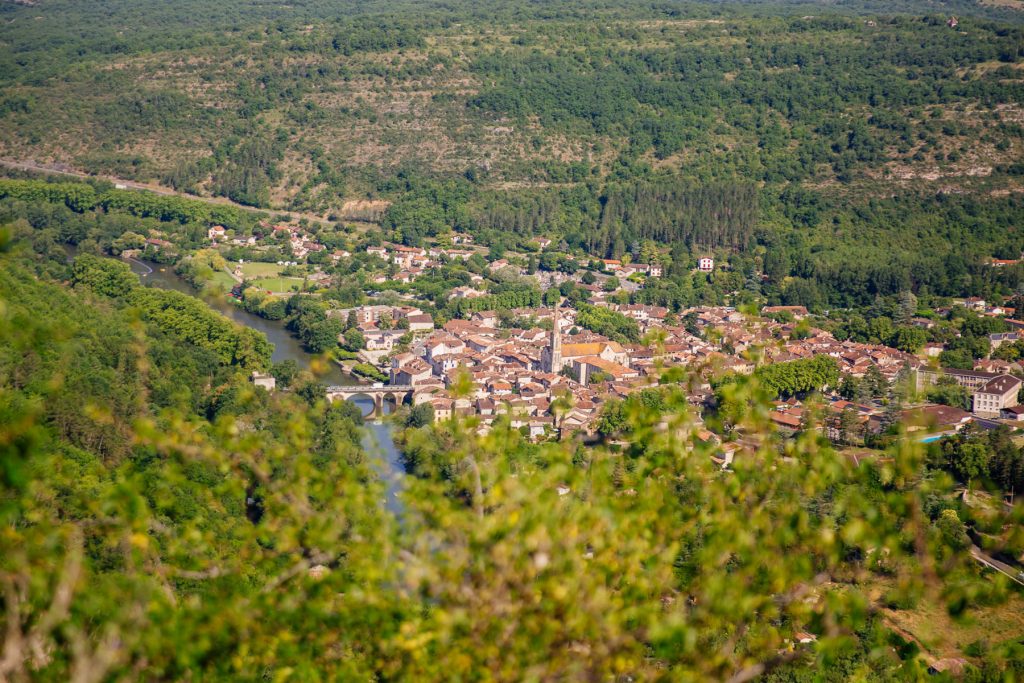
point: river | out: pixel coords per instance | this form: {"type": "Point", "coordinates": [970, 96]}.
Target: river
{"type": "Point", "coordinates": [378, 435]}
{"type": "Point", "coordinates": [285, 345]}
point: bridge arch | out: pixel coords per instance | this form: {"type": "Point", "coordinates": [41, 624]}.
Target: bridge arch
{"type": "Point", "coordinates": [378, 395]}
{"type": "Point", "coordinates": [400, 398]}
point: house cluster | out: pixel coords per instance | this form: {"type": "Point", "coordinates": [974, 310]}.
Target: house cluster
{"type": "Point", "coordinates": [621, 269]}
{"type": "Point", "coordinates": [302, 247]}
{"type": "Point", "coordinates": [993, 394]}
{"type": "Point", "coordinates": [734, 333]}
{"type": "Point", "coordinates": [407, 263]}
{"type": "Point", "coordinates": [519, 372]}
{"type": "Point", "coordinates": [301, 242]}
{"type": "Point", "coordinates": [384, 326]}
{"type": "Point", "coordinates": [413, 261]}
{"type": "Point", "coordinates": [853, 358]}
{"type": "Point", "coordinates": [845, 421]}
{"type": "Point", "coordinates": [523, 371]}
{"type": "Point", "coordinates": [981, 307]}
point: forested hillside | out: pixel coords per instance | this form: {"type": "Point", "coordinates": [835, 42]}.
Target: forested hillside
{"type": "Point", "coordinates": [806, 132]}
{"type": "Point", "coordinates": [311, 112]}
{"type": "Point", "coordinates": [135, 463]}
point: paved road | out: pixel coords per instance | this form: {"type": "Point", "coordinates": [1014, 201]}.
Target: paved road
{"type": "Point", "coordinates": [992, 563]}
{"type": "Point", "coordinates": [63, 169]}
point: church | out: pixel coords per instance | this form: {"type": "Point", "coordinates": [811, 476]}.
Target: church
{"type": "Point", "coordinates": [552, 356]}
{"type": "Point", "coordinates": [606, 356]}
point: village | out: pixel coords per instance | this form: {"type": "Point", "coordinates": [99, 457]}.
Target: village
{"type": "Point", "coordinates": [552, 377]}
{"type": "Point", "coordinates": [522, 372]}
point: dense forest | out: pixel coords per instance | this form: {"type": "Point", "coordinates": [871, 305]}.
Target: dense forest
{"type": "Point", "coordinates": [708, 216]}
{"type": "Point", "coordinates": [83, 197]}
{"type": "Point", "coordinates": [311, 112]}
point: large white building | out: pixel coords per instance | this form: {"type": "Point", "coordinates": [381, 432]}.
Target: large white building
{"type": "Point", "coordinates": [996, 395]}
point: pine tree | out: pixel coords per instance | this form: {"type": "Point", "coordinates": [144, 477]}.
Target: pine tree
{"type": "Point", "coordinates": [907, 308]}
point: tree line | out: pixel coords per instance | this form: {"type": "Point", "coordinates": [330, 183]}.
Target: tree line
{"type": "Point", "coordinates": [176, 313]}
{"type": "Point", "coordinates": [81, 197]}
{"type": "Point", "coordinates": [710, 216]}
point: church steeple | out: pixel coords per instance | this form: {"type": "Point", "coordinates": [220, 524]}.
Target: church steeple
{"type": "Point", "coordinates": [555, 352]}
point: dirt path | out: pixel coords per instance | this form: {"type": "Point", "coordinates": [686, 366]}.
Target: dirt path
{"type": "Point", "coordinates": [63, 169]}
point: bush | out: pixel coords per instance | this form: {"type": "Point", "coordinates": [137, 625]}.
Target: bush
{"type": "Point", "coordinates": [420, 416]}
{"type": "Point", "coordinates": [369, 371]}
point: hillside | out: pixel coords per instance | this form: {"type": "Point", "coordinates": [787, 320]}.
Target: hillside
{"type": "Point", "coordinates": [346, 104]}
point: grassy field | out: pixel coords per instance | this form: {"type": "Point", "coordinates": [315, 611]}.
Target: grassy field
{"type": "Point", "coordinates": [278, 284]}
{"type": "Point", "coordinates": [223, 281]}
{"type": "Point", "coordinates": [942, 636]}
{"type": "Point", "coordinates": [255, 269]}
{"type": "Point", "coordinates": [266, 276]}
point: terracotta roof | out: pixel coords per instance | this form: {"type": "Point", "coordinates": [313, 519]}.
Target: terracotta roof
{"type": "Point", "coordinates": [614, 369]}
{"type": "Point", "coordinates": [785, 419]}
{"type": "Point", "coordinates": [590, 349]}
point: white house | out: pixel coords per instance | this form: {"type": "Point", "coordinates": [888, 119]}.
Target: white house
{"type": "Point", "coordinates": [420, 323]}
{"type": "Point", "coordinates": [265, 381]}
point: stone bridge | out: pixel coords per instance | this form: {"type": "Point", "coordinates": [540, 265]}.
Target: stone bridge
{"type": "Point", "coordinates": [399, 393]}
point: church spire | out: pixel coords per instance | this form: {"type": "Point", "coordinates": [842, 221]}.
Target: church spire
{"type": "Point", "coordinates": [555, 353]}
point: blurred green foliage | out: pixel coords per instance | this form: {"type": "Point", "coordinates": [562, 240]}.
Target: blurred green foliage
{"type": "Point", "coordinates": [162, 518]}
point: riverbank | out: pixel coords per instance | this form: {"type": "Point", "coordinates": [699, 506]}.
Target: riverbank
{"type": "Point", "coordinates": [355, 369]}
{"type": "Point", "coordinates": [332, 371]}
{"type": "Point", "coordinates": [286, 347]}
{"type": "Point", "coordinates": [378, 435]}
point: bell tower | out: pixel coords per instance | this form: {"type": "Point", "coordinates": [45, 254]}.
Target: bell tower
{"type": "Point", "coordinates": [555, 352]}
